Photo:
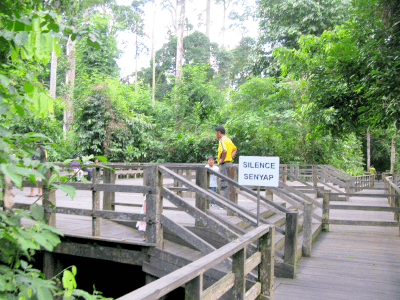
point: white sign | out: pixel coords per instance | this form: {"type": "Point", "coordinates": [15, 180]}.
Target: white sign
{"type": "Point", "coordinates": [259, 170]}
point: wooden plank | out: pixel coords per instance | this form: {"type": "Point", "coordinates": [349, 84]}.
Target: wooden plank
{"type": "Point", "coordinates": [198, 214]}
{"type": "Point", "coordinates": [108, 197]}
{"type": "Point", "coordinates": [231, 226]}
{"type": "Point", "coordinates": [92, 250]}
{"type": "Point", "coordinates": [109, 187]}
{"type": "Point", "coordinates": [253, 292]}
{"type": "Point", "coordinates": [187, 235]}
{"type": "Point", "coordinates": [364, 223]}
{"type": "Point", "coordinates": [219, 288]}
{"type": "Point", "coordinates": [367, 195]}
{"type": "Point", "coordinates": [140, 205]}
{"type": "Point", "coordinates": [300, 194]}
{"type": "Point", "coordinates": [329, 186]}
{"type": "Point", "coordinates": [363, 207]}
{"type": "Point", "coordinates": [243, 213]}
{"type": "Point", "coordinates": [252, 262]}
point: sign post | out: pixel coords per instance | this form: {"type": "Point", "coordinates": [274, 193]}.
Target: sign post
{"type": "Point", "coordinates": [259, 171]}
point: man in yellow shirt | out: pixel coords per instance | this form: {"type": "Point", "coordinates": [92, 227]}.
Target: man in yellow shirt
{"type": "Point", "coordinates": [226, 152]}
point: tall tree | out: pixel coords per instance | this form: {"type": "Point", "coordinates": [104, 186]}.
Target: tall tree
{"type": "Point", "coordinates": [179, 45]}
{"type": "Point", "coordinates": [282, 22]}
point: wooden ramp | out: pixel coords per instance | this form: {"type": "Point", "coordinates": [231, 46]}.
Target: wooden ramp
{"type": "Point", "coordinates": [349, 262]}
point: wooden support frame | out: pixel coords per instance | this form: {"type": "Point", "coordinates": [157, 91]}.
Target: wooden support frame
{"type": "Point", "coordinates": [192, 274]}
{"type": "Point", "coordinates": [291, 235]}
{"type": "Point", "coordinates": [49, 199]}
{"type": "Point", "coordinates": [109, 196]}
{"type": "Point", "coordinates": [307, 229]}
{"type": "Point", "coordinates": [201, 203]}
{"type": "Point", "coordinates": [325, 212]}
{"type": "Point", "coordinates": [95, 202]}
{"type": "Point", "coordinates": [154, 205]}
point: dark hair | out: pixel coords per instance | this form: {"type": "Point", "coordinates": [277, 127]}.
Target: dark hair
{"type": "Point", "coordinates": [210, 156]}
{"type": "Point", "coordinates": [220, 129]}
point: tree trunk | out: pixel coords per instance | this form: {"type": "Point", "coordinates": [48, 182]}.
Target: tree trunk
{"type": "Point", "coordinates": [136, 63]}
{"type": "Point", "coordinates": [69, 82]}
{"type": "Point", "coordinates": [179, 46]}
{"type": "Point", "coordinates": [53, 77]}
{"type": "Point", "coordinates": [208, 18]}
{"type": "Point", "coordinates": [393, 154]}
{"type": "Point", "coordinates": [368, 149]}
{"type": "Point", "coordinates": [153, 56]}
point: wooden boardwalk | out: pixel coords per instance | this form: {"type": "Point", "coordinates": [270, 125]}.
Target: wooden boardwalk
{"type": "Point", "coordinates": [349, 262]}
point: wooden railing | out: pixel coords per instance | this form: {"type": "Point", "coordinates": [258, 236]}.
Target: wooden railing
{"type": "Point", "coordinates": [151, 186]}
{"type": "Point", "coordinates": [192, 275]}
{"type": "Point", "coordinates": [326, 220]}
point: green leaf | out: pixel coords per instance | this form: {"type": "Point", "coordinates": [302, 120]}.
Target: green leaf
{"type": "Point", "coordinates": [29, 87]}
{"type": "Point", "coordinates": [69, 282]}
{"type": "Point", "coordinates": [73, 270]}
{"type": "Point", "coordinates": [15, 178]}
{"type": "Point", "coordinates": [21, 38]}
{"type": "Point", "coordinates": [101, 158]}
{"type": "Point", "coordinates": [37, 212]}
{"type": "Point", "coordinates": [44, 293]}
{"type": "Point", "coordinates": [4, 80]}
{"type": "Point", "coordinates": [70, 190]}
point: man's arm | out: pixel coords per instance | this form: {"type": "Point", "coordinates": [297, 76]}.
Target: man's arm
{"type": "Point", "coordinates": [234, 153]}
{"type": "Point", "coordinates": [222, 158]}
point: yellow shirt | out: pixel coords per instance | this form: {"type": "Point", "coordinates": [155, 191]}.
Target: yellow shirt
{"type": "Point", "coordinates": [226, 144]}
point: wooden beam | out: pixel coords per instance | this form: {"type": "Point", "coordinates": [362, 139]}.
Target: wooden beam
{"type": "Point", "coordinates": [198, 214]}
{"type": "Point", "coordinates": [364, 223]}
{"type": "Point", "coordinates": [252, 262]}
{"type": "Point", "coordinates": [366, 208]}
{"type": "Point", "coordinates": [187, 235]}
{"type": "Point", "coordinates": [253, 292]}
{"type": "Point", "coordinates": [219, 288]}
{"type": "Point", "coordinates": [250, 191]}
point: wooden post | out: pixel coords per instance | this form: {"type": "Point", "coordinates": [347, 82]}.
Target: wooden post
{"type": "Point", "coordinates": [238, 268]}
{"type": "Point", "coordinates": [292, 225]}
{"type": "Point", "coordinates": [325, 211]}
{"type": "Point", "coordinates": [284, 179]}
{"type": "Point", "coordinates": [178, 184]}
{"type": "Point", "coordinates": [233, 174]}
{"type": "Point", "coordinates": [194, 288]}
{"type": "Point", "coordinates": [348, 189]}
{"type": "Point", "coordinates": [266, 266]}
{"type": "Point", "coordinates": [201, 202]}
{"type": "Point", "coordinates": [49, 199]}
{"type": "Point", "coordinates": [269, 194]}
{"type": "Point", "coordinates": [307, 229]}
{"type": "Point", "coordinates": [297, 171]}
{"type": "Point", "coordinates": [154, 229]}
{"type": "Point", "coordinates": [315, 175]}
{"type": "Point", "coordinates": [292, 173]}
{"type": "Point", "coordinates": [95, 202]}
{"type": "Point", "coordinates": [108, 197]}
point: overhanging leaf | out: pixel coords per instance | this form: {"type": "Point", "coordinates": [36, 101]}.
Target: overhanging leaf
{"type": "Point", "coordinates": [70, 190]}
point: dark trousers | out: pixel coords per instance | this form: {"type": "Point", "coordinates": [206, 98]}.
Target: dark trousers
{"type": "Point", "coordinates": [224, 170]}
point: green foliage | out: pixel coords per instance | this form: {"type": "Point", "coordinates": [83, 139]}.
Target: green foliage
{"type": "Point", "coordinates": [18, 245]}
{"type": "Point", "coordinates": [351, 73]}
{"type": "Point", "coordinates": [195, 97]}
{"type": "Point", "coordinates": [282, 23]}
{"type": "Point", "coordinates": [107, 123]}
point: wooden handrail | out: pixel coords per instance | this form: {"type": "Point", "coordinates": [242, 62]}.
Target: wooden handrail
{"type": "Point", "coordinates": [192, 274]}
